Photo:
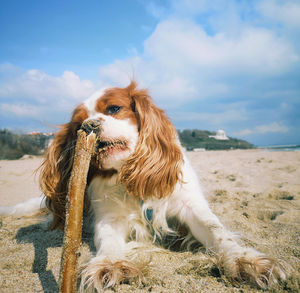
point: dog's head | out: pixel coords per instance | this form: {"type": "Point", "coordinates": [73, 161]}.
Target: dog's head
{"type": "Point", "coordinates": [135, 140]}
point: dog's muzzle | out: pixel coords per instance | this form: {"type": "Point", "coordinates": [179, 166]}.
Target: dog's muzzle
{"type": "Point", "coordinates": [92, 125]}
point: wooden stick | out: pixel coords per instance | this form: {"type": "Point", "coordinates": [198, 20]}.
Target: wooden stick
{"type": "Point", "coordinates": [73, 227]}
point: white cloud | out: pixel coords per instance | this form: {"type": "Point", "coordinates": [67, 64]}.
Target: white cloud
{"type": "Point", "coordinates": [20, 110]}
{"type": "Point", "coordinates": [120, 72]}
{"type": "Point", "coordinates": [274, 127]}
{"type": "Point", "coordinates": [286, 11]}
{"type": "Point", "coordinates": [178, 43]}
{"type": "Point", "coordinates": [40, 96]}
{"type": "Point", "coordinates": [43, 88]}
{"type": "Point", "coordinates": [216, 119]}
{"type": "Point", "coordinates": [243, 132]}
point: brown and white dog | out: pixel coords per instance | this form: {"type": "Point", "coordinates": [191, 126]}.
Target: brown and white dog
{"type": "Point", "coordinates": [139, 159]}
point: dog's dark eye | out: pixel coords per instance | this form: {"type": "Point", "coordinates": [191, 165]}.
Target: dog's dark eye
{"type": "Point", "coordinates": [113, 109]}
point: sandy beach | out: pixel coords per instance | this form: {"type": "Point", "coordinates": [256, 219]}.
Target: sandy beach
{"type": "Point", "coordinates": [255, 193]}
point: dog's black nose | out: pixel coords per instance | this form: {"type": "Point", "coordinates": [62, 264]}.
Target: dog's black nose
{"type": "Point", "coordinates": [91, 125]}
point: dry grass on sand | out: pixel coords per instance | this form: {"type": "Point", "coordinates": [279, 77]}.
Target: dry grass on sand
{"type": "Point", "coordinates": [255, 193]}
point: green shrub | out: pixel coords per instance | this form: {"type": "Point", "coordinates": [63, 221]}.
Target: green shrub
{"type": "Point", "coordinates": [191, 139]}
{"type": "Point", "coordinates": [14, 146]}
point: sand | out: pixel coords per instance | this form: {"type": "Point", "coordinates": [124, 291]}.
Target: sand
{"type": "Point", "coordinates": [254, 192]}
{"type": "Point", "coordinates": [19, 180]}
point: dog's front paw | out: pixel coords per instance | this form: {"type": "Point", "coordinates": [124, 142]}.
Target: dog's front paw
{"type": "Point", "coordinates": [254, 267]}
{"type": "Point", "coordinates": [102, 273]}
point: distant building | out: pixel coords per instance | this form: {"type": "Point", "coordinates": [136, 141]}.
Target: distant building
{"type": "Point", "coordinates": [199, 150]}
{"type": "Point", "coordinates": [41, 133]}
{"type": "Point", "coordinates": [220, 135]}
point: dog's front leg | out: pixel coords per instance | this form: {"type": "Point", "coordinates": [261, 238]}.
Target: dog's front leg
{"type": "Point", "coordinates": [191, 208]}
{"type": "Point", "coordinates": [110, 266]}
{"type": "Point", "coordinates": [114, 259]}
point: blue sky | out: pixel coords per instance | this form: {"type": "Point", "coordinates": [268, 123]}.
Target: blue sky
{"type": "Point", "coordinates": [211, 64]}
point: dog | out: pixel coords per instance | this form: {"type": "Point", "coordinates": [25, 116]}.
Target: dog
{"type": "Point", "coordinates": [139, 166]}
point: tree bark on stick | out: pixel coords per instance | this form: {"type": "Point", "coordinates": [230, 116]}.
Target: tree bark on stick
{"type": "Point", "coordinates": [73, 227]}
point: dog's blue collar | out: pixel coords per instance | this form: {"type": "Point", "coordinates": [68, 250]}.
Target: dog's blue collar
{"type": "Point", "coordinates": [148, 213]}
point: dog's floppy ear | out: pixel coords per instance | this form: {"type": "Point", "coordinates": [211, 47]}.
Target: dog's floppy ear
{"type": "Point", "coordinates": [155, 167]}
{"type": "Point", "coordinates": [56, 168]}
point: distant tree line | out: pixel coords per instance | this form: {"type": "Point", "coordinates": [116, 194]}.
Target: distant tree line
{"type": "Point", "coordinates": [192, 139]}
{"type": "Point", "coordinates": [14, 146]}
